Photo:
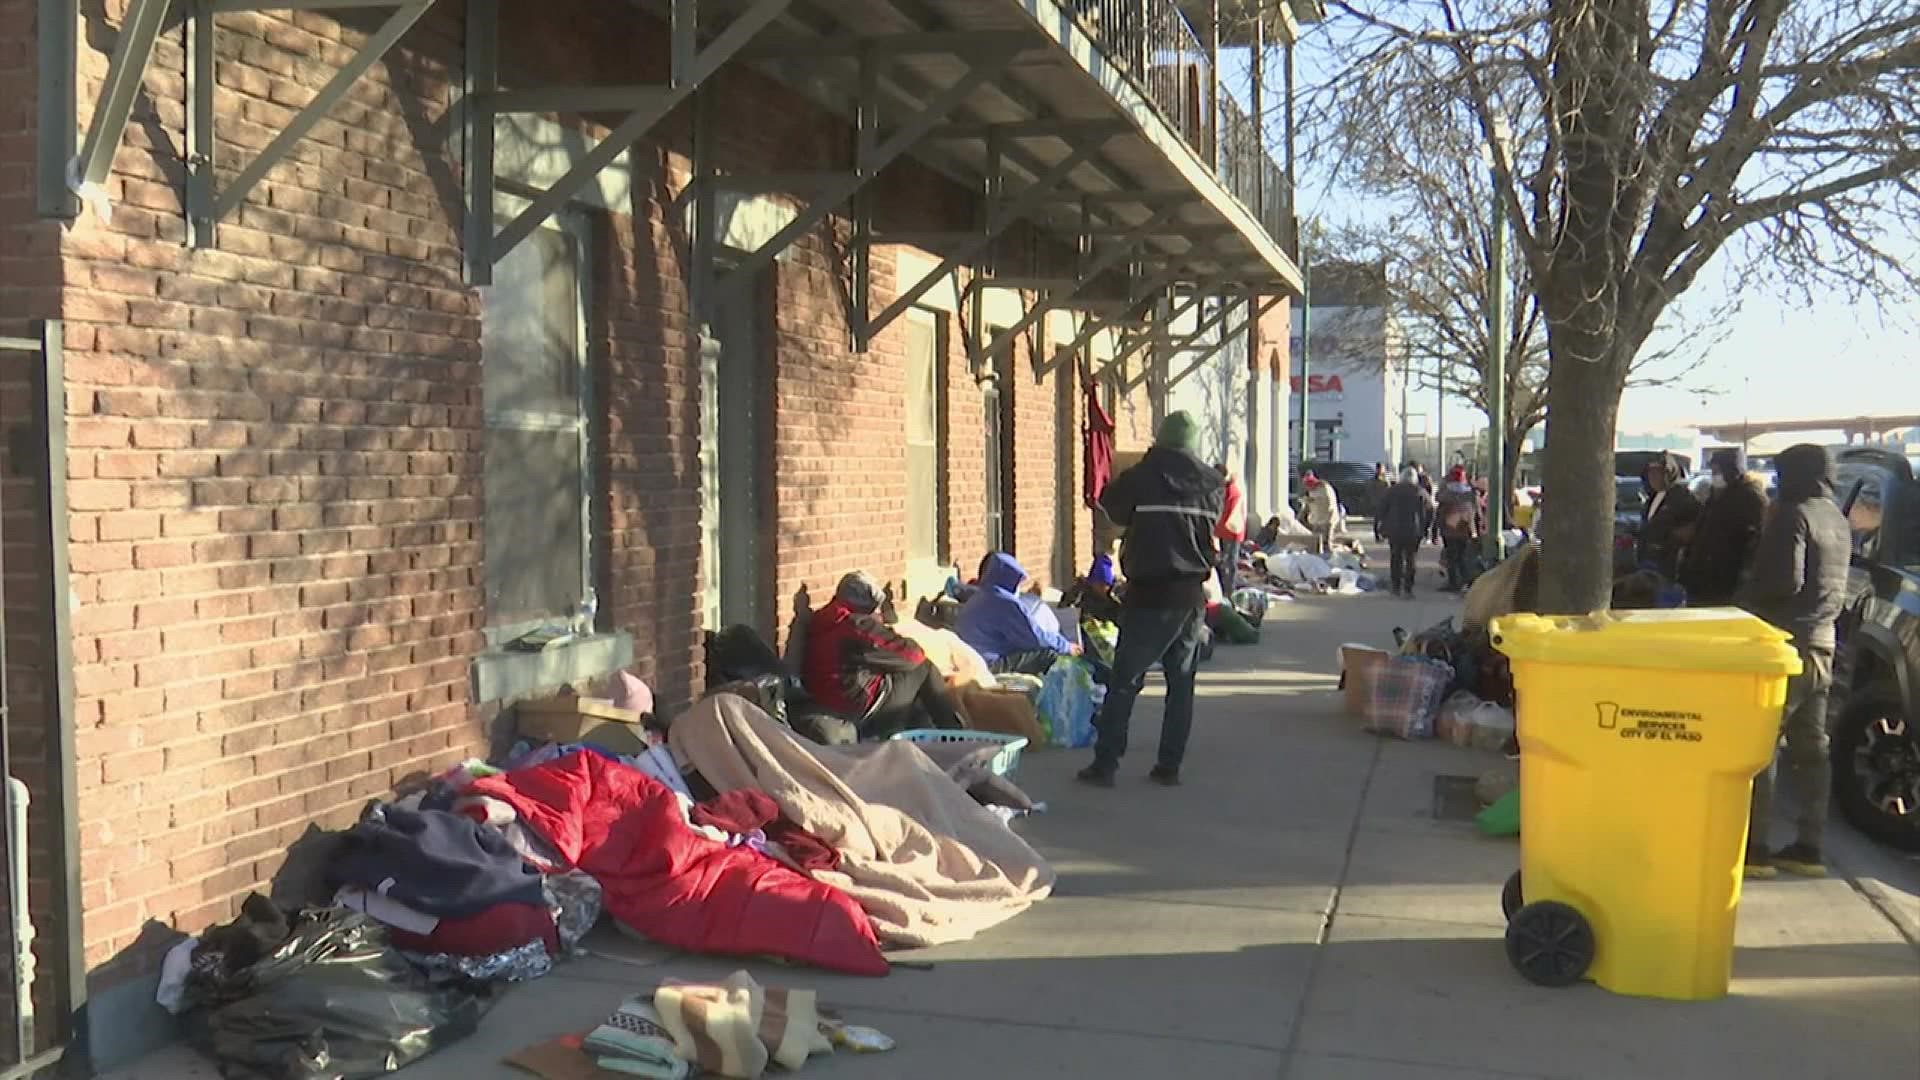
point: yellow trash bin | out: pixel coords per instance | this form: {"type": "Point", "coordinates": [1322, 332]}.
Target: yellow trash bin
{"type": "Point", "coordinates": [1640, 735]}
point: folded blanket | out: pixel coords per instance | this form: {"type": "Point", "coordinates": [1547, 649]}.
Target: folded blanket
{"type": "Point", "coordinates": [925, 861]}
{"type": "Point", "coordinates": [736, 1028]}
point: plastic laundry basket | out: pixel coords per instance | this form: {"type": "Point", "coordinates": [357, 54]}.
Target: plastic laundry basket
{"type": "Point", "coordinates": [1003, 763]}
{"type": "Point", "coordinates": [1640, 734]}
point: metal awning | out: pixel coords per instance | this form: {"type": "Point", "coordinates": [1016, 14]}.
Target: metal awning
{"type": "Point", "coordinates": [1014, 97]}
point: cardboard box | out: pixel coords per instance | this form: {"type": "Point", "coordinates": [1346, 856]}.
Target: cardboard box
{"type": "Point", "coordinates": [568, 718]}
{"type": "Point", "coordinates": [1358, 664]}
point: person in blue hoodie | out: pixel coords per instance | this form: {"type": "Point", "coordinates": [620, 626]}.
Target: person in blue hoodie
{"type": "Point", "coordinates": [1012, 631]}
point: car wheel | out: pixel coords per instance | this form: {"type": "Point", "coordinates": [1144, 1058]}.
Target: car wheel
{"type": "Point", "coordinates": [1876, 770]}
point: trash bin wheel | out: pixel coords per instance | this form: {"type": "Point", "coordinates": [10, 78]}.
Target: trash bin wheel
{"type": "Point", "coordinates": [1550, 943]}
{"type": "Point", "coordinates": [1510, 896]}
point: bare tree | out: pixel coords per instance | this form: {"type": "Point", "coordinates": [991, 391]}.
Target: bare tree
{"type": "Point", "coordinates": [1648, 136]}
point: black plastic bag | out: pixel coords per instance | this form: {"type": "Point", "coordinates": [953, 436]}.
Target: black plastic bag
{"type": "Point", "coordinates": [333, 1002]}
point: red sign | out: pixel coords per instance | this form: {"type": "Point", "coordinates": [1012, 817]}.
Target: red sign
{"type": "Point", "coordinates": [1318, 384]}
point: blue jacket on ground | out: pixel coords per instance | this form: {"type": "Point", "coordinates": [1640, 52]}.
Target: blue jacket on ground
{"type": "Point", "coordinates": [997, 621]}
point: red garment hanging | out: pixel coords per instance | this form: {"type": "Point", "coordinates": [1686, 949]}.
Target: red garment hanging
{"type": "Point", "coordinates": [1099, 445]}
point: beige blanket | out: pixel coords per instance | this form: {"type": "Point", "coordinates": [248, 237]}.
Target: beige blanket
{"type": "Point", "coordinates": [926, 862]}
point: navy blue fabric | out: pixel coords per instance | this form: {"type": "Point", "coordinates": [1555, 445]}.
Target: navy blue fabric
{"type": "Point", "coordinates": [998, 621]}
{"type": "Point", "coordinates": [435, 862]}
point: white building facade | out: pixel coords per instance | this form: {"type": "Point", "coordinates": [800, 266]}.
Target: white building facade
{"type": "Point", "coordinates": [1355, 383]}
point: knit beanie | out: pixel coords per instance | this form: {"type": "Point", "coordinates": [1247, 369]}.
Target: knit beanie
{"type": "Point", "coordinates": [1102, 570]}
{"type": "Point", "coordinates": [1177, 432]}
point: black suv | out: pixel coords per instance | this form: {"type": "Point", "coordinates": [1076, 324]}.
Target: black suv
{"type": "Point", "coordinates": [1875, 718]}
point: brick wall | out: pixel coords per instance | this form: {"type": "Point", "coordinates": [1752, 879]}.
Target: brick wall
{"type": "Point", "coordinates": [29, 291]}
{"type": "Point", "coordinates": [277, 444]}
{"type": "Point", "coordinates": [274, 477]}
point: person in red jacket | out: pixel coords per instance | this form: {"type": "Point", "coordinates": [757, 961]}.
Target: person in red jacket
{"type": "Point", "coordinates": [1230, 530]}
{"type": "Point", "coordinates": [857, 666]}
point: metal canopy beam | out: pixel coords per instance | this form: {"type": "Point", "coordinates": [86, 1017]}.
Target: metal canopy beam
{"type": "Point", "coordinates": [869, 163]}
{"type": "Point", "coordinates": [577, 99]}
{"type": "Point", "coordinates": [1122, 316]}
{"type": "Point", "coordinates": [691, 67]}
{"type": "Point", "coordinates": [125, 72]}
{"type": "Point", "coordinates": [998, 220]}
{"type": "Point", "coordinates": [377, 46]}
{"type": "Point", "coordinates": [1105, 261]}
{"type": "Point", "coordinates": [954, 42]}
{"type": "Point", "coordinates": [1033, 129]}
{"type": "Point", "coordinates": [1192, 300]}
{"type": "Point", "coordinates": [1253, 314]}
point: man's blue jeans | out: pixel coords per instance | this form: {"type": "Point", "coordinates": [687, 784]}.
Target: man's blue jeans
{"type": "Point", "coordinates": [1169, 637]}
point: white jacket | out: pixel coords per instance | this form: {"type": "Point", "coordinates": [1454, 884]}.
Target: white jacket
{"type": "Point", "coordinates": [1323, 506]}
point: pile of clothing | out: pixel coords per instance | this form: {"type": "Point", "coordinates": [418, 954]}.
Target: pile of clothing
{"type": "Point", "coordinates": [728, 835]}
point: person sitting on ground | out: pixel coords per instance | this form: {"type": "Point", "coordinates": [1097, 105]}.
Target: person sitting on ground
{"type": "Point", "coordinates": [1401, 517]}
{"type": "Point", "coordinates": [1096, 596]}
{"type": "Point", "coordinates": [1322, 512]}
{"type": "Point", "coordinates": [1269, 534]}
{"type": "Point", "coordinates": [1460, 524]}
{"type": "Point", "coordinates": [1671, 512]}
{"type": "Point", "coordinates": [1724, 536]}
{"type": "Point", "coordinates": [857, 666]}
{"type": "Point", "coordinates": [1012, 631]}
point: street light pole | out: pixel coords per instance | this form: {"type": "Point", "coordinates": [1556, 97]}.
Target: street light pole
{"type": "Point", "coordinates": [1498, 483]}
{"type": "Point", "coordinates": [1306, 352]}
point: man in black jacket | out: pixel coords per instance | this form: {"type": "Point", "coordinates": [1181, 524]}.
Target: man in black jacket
{"type": "Point", "coordinates": [1401, 516]}
{"type": "Point", "coordinates": [1669, 516]}
{"type": "Point", "coordinates": [1724, 536]}
{"type": "Point", "coordinates": [1168, 505]}
{"type": "Point", "coordinates": [1799, 584]}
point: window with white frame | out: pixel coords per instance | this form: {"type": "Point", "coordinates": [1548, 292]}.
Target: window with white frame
{"type": "Point", "coordinates": [924, 371]}
{"type": "Point", "coordinates": [534, 379]}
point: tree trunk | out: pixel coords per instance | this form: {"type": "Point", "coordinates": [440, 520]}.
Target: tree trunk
{"type": "Point", "coordinates": [1510, 468]}
{"type": "Point", "coordinates": [1593, 84]}
{"type": "Point", "coordinates": [1576, 536]}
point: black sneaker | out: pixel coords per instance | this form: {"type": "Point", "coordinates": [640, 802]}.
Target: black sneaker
{"type": "Point", "coordinates": [1096, 776]}
{"type": "Point", "coordinates": [1759, 865]}
{"type": "Point", "coordinates": [1164, 776]}
{"type": "Point", "coordinates": [1801, 860]}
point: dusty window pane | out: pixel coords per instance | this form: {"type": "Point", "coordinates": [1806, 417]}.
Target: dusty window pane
{"type": "Point", "coordinates": [533, 524]}
{"type": "Point", "coordinates": [530, 342]}
{"type": "Point", "coordinates": [530, 330]}
{"type": "Point", "coordinates": [923, 435]}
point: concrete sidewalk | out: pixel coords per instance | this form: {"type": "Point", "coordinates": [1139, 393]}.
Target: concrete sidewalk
{"type": "Point", "coordinates": [1294, 911]}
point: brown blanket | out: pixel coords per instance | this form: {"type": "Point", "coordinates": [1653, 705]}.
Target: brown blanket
{"type": "Point", "coordinates": [925, 861]}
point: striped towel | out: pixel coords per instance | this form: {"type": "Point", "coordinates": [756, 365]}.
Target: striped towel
{"type": "Point", "coordinates": [735, 1028]}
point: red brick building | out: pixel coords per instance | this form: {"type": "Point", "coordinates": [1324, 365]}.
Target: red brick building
{"type": "Point", "coordinates": [297, 442]}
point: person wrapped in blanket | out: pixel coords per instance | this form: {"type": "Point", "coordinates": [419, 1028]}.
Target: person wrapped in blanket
{"type": "Point", "coordinates": [1015, 632]}
{"type": "Point", "coordinates": [856, 665]}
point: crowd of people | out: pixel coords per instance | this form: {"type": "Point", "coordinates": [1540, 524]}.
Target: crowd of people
{"type": "Point", "coordinates": [1786, 562]}
{"type": "Point", "coordinates": [1182, 520]}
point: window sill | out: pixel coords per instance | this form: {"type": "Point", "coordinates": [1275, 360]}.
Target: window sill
{"type": "Point", "coordinates": [501, 675]}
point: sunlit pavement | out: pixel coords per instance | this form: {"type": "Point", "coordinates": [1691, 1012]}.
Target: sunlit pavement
{"type": "Point", "coordinates": [1295, 911]}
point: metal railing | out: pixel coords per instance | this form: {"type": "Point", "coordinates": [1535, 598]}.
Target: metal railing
{"type": "Point", "coordinates": [1153, 42]}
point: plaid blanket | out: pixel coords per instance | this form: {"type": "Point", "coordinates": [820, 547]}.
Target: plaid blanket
{"type": "Point", "coordinates": [1406, 695]}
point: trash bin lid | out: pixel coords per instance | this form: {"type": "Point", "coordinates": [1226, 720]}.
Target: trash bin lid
{"type": "Point", "coordinates": [1689, 639]}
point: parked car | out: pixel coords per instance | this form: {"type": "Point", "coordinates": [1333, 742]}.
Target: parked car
{"type": "Point", "coordinates": [1874, 718]}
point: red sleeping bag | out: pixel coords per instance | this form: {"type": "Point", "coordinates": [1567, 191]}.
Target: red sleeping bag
{"type": "Point", "coordinates": [675, 886]}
